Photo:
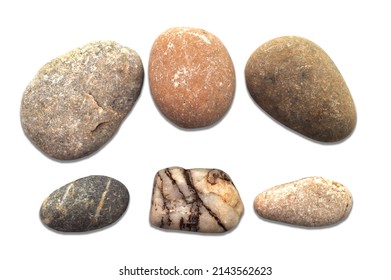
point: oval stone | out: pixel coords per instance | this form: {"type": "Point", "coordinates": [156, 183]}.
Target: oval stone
{"type": "Point", "coordinates": [310, 202]}
{"type": "Point", "coordinates": [296, 82]}
{"type": "Point", "coordinates": [197, 200]}
{"type": "Point", "coordinates": [77, 101]}
{"type": "Point", "coordinates": [191, 77]}
{"type": "Point", "coordinates": [86, 204]}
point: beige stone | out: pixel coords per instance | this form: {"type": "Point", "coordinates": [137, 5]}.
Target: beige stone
{"type": "Point", "coordinates": [311, 202]}
{"type": "Point", "coordinates": [199, 200]}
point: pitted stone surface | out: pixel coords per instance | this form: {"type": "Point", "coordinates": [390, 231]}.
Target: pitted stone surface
{"type": "Point", "coordinates": [77, 101]}
{"type": "Point", "coordinates": [311, 202]}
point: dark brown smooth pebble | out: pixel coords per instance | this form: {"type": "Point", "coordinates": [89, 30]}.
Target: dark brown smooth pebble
{"type": "Point", "coordinates": [296, 82]}
{"type": "Point", "coordinates": [77, 101]}
{"type": "Point", "coordinates": [191, 76]}
{"type": "Point", "coordinates": [86, 204]}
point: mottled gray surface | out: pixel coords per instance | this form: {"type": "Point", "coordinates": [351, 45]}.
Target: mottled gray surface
{"type": "Point", "coordinates": [296, 82]}
{"type": "Point", "coordinates": [198, 200]}
{"type": "Point", "coordinates": [311, 202]}
{"type": "Point", "coordinates": [77, 101]}
{"type": "Point", "coordinates": [86, 204]}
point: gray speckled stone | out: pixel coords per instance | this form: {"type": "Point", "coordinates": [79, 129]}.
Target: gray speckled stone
{"type": "Point", "coordinates": [86, 204]}
{"type": "Point", "coordinates": [198, 200]}
{"type": "Point", "coordinates": [77, 101]}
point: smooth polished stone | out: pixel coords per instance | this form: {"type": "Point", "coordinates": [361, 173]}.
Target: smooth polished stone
{"type": "Point", "coordinates": [77, 101]}
{"type": "Point", "coordinates": [191, 76]}
{"type": "Point", "coordinates": [294, 81]}
{"type": "Point", "coordinates": [86, 204]}
{"type": "Point", "coordinates": [310, 202]}
{"type": "Point", "coordinates": [198, 200]}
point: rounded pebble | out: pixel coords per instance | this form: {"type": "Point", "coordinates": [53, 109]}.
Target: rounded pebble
{"type": "Point", "coordinates": [86, 204]}
{"type": "Point", "coordinates": [191, 77]}
{"type": "Point", "coordinates": [310, 202]}
{"type": "Point", "coordinates": [295, 82]}
{"type": "Point", "coordinates": [197, 200]}
{"type": "Point", "coordinates": [77, 101]}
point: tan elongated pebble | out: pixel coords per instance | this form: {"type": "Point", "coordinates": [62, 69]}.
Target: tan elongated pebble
{"type": "Point", "coordinates": [311, 202]}
{"type": "Point", "coordinates": [198, 200]}
{"type": "Point", "coordinates": [294, 81]}
{"type": "Point", "coordinates": [77, 101]}
{"type": "Point", "coordinates": [191, 76]}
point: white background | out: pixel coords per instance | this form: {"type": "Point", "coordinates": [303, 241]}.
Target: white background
{"type": "Point", "coordinates": [254, 150]}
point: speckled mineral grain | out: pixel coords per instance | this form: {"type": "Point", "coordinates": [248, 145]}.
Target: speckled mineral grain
{"type": "Point", "coordinates": [77, 101]}
{"type": "Point", "coordinates": [201, 200]}
{"type": "Point", "coordinates": [311, 202]}
{"type": "Point", "coordinates": [191, 77]}
{"type": "Point", "coordinates": [295, 82]}
{"type": "Point", "coordinates": [86, 204]}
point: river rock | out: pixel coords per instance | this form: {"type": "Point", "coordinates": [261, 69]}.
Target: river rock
{"type": "Point", "coordinates": [191, 77]}
{"type": "Point", "coordinates": [77, 101]}
{"type": "Point", "coordinates": [310, 202]}
{"type": "Point", "coordinates": [198, 200]}
{"type": "Point", "coordinates": [86, 204]}
{"type": "Point", "coordinates": [296, 82]}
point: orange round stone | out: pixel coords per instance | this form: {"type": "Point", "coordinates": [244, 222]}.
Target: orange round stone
{"type": "Point", "coordinates": [191, 77]}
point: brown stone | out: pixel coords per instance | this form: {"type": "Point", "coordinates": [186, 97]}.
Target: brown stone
{"type": "Point", "coordinates": [191, 77]}
{"type": "Point", "coordinates": [311, 202]}
{"type": "Point", "coordinates": [77, 101]}
{"type": "Point", "coordinates": [295, 82]}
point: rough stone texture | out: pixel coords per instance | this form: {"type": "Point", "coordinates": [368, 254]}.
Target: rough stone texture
{"type": "Point", "coordinates": [311, 202]}
{"type": "Point", "coordinates": [200, 200]}
{"type": "Point", "coordinates": [191, 77]}
{"type": "Point", "coordinates": [86, 204]}
{"type": "Point", "coordinates": [77, 101]}
{"type": "Point", "coordinates": [296, 82]}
